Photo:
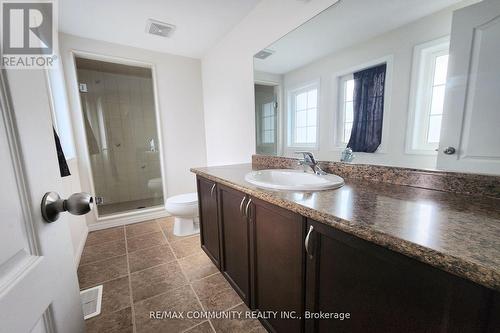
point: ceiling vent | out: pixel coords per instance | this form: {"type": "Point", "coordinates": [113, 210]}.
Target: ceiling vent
{"type": "Point", "coordinates": [264, 54]}
{"type": "Point", "coordinates": [159, 28]}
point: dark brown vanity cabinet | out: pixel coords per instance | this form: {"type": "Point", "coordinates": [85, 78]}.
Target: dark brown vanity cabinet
{"type": "Point", "coordinates": [235, 263]}
{"type": "Point", "coordinates": [277, 264]}
{"type": "Point", "coordinates": [209, 221]}
{"type": "Point", "coordinates": [262, 256]}
{"type": "Point", "coordinates": [278, 261]}
{"type": "Point", "coordinates": [384, 291]}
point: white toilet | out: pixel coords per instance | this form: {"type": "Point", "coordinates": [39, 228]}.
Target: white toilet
{"type": "Point", "coordinates": [184, 208]}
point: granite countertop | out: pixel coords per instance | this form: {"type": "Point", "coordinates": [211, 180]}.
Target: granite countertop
{"type": "Point", "coordinates": [456, 233]}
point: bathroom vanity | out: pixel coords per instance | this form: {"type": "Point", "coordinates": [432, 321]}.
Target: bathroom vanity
{"type": "Point", "coordinates": [384, 257]}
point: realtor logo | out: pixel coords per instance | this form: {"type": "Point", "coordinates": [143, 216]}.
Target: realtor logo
{"type": "Point", "coordinates": [28, 34]}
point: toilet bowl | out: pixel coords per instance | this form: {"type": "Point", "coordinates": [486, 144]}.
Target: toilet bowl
{"type": "Point", "coordinates": [184, 208]}
{"type": "Point", "coordinates": [155, 186]}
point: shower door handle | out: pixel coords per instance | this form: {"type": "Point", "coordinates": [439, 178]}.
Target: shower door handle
{"type": "Point", "coordinates": [77, 204]}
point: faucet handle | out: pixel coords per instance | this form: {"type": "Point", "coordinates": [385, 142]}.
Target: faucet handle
{"type": "Point", "coordinates": [308, 156]}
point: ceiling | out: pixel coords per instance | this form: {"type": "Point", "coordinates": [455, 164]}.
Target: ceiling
{"type": "Point", "coordinates": [346, 23]}
{"type": "Point", "coordinates": [200, 23]}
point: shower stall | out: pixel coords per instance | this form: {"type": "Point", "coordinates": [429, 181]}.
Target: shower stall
{"type": "Point", "coordinates": [119, 115]}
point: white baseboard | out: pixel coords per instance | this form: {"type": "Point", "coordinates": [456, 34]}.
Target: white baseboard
{"type": "Point", "coordinates": [78, 254]}
{"type": "Point", "coordinates": [125, 219]}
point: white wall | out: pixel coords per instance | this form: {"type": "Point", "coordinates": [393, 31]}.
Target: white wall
{"type": "Point", "coordinates": [398, 45]}
{"type": "Point", "coordinates": [179, 93]}
{"type": "Point", "coordinates": [228, 76]}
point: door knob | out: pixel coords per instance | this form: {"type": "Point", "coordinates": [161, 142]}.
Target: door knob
{"type": "Point", "coordinates": [449, 150]}
{"type": "Point", "coordinates": [76, 204]}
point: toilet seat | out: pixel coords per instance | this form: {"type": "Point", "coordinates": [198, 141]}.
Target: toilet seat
{"type": "Point", "coordinates": [184, 199]}
{"type": "Point", "coordinates": [184, 205]}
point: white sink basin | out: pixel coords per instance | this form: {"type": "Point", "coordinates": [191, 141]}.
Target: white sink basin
{"type": "Point", "coordinates": [293, 180]}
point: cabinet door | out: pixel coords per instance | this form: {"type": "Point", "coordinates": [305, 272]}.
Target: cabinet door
{"type": "Point", "coordinates": [235, 250]}
{"type": "Point", "coordinates": [384, 291]}
{"type": "Point", "coordinates": [209, 224]}
{"type": "Point", "coordinates": [277, 264]}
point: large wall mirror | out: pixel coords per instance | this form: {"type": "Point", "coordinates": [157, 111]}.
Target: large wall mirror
{"type": "Point", "coordinates": [412, 83]}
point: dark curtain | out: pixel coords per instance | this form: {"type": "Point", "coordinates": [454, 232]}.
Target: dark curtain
{"type": "Point", "coordinates": [366, 134]}
{"type": "Point", "coordinates": [63, 165]}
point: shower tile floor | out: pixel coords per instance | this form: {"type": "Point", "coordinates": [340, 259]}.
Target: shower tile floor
{"type": "Point", "coordinates": [122, 207]}
{"type": "Point", "coordinates": [143, 268]}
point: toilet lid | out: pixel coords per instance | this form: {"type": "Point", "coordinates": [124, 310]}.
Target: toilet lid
{"type": "Point", "coordinates": [188, 198]}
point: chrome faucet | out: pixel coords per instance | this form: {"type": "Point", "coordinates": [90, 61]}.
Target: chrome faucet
{"type": "Point", "coordinates": [310, 161]}
{"type": "Point", "coordinates": [347, 155]}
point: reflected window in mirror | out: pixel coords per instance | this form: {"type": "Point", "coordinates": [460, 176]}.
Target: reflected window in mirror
{"type": "Point", "coordinates": [303, 114]}
{"type": "Point", "coordinates": [428, 85]}
{"type": "Point", "coordinates": [369, 75]}
{"type": "Point", "coordinates": [268, 119]}
{"type": "Point", "coordinates": [435, 113]}
{"type": "Point", "coordinates": [346, 98]}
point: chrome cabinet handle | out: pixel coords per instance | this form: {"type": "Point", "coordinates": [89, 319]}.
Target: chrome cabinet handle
{"type": "Point", "coordinates": [306, 243]}
{"type": "Point", "coordinates": [246, 208]}
{"type": "Point", "coordinates": [241, 205]}
{"type": "Point", "coordinates": [212, 190]}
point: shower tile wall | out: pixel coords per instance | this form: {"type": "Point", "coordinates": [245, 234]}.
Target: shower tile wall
{"type": "Point", "coordinates": [121, 135]}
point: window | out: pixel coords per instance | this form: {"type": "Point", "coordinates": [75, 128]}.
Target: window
{"type": "Point", "coordinates": [435, 113]}
{"type": "Point", "coordinates": [346, 108]}
{"type": "Point", "coordinates": [427, 100]}
{"type": "Point", "coordinates": [303, 116]}
{"type": "Point", "coordinates": [268, 120]}
{"type": "Point", "coordinates": [344, 90]}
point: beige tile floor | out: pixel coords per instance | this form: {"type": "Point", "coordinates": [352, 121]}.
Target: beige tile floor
{"type": "Point", "coordinates": [144, 267]}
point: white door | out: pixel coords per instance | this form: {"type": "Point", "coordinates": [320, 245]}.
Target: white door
{"type": "Point", "coordinates": [471, 119]}
{"type": "Point", "coordinates": [38, 282]}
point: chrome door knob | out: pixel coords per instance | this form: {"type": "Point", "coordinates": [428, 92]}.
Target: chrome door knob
{"type": "Point", "coordinates": [76, 204]}
{"type": "Point", "coordinates": [449, 150]}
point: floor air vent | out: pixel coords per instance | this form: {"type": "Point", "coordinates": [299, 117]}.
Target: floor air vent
{"type": "Point", "coordinates": [91, 301]}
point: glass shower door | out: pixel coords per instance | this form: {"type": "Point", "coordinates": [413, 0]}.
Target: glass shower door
{"type": "Point", "coordinates": [119, 117]}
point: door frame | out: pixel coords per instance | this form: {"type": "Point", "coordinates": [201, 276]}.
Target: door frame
{"type": "Point", "coordinates": [279, 113]}
{"type": "Point", "coordinates": [102, 222]}
{"type": "Point", "coordinates": [25, 203]}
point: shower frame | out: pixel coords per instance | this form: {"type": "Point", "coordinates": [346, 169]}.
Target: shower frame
{"type": "Point", "coordinates": [121, 218]}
